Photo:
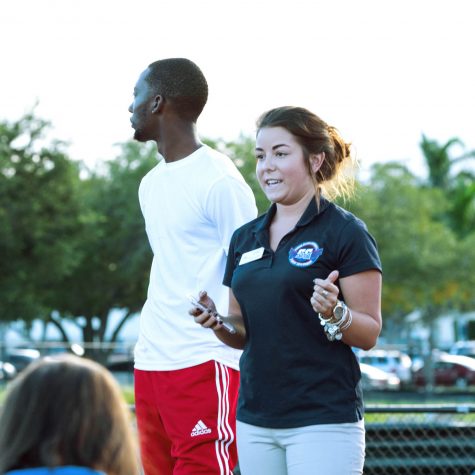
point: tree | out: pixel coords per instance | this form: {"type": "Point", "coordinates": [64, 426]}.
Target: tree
{"type": "Point", "coordinates": [242, 154]}
{"type": "Point", "coordinates": [115, 255]}
{"type": "Point", "coordinates": [459, 194]}
{"type": "Point", "coordinates": [425, 266]}
{"type": "Point", "coordinates": [439, 161]}
{"type": "Point", "coordinates": [417, 251]}
{"type": "Point", "coordinates": [39, 218]}
{"type": "Point", "coordinates": [459, 188]}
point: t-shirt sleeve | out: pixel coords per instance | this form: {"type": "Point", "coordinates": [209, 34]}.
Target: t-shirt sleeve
{"type": "Point", "coordinates": [141, 194]}
{"type": "Point", "coordinates": [358, 251]}
{"type": "Point", "coordinates": [229, 204]}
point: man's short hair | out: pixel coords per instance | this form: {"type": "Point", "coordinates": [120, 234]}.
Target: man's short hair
{"type": "Point", "coordinates": [182, 82]}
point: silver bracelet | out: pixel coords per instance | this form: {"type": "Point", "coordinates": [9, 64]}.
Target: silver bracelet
{"type": "Point", "coordinates": [330, 320]}
{"type": "Point", "coordinates": [334, 319]}
{"type": "Point", "coordinates": [333, 328]}
{"type": "Point", "coordinates": [348, 323]}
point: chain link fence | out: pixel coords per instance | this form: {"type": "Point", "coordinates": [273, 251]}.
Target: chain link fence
{"type": "Point", "coordinates": [420, 439]}
{"type": "Point", "coordinates": [401, 439]}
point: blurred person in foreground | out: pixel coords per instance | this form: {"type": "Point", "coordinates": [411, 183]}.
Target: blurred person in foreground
{"type": "Point", "coordinates": [66, 416]}
{"type": "Point", "coordinates": [186, 381]}
{"type": "Point", "coordinates": [305, 286]}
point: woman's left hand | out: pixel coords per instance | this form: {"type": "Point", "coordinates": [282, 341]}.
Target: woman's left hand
{"type": "Point", "coordinates": [325, 294]}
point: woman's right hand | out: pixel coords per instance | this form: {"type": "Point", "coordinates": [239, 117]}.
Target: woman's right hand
{"type": "Point", "coordinates": [205, 313]}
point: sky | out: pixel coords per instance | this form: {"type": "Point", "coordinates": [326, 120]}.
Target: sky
{"type": "Point", "coordinates": [382, 72]}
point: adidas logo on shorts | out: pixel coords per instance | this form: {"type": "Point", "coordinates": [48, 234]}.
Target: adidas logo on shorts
{"type": "Point", "coordinates": [200, 429]}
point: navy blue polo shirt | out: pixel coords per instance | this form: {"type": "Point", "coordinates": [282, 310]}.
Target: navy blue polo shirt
{"type": "Point", "coordinates": [291, 375]}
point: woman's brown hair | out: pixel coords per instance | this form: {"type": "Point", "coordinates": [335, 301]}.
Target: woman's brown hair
{"type": "Point", "coordinates": [316, 136]}
{"type": "Point", "coordinates": [67, 411]}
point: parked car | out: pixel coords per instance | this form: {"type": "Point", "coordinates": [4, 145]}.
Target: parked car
{"type": "Point", "coordinates": [20, 358]}
{"type": "Point", "coordinates": [464, 348]}
{"type": "Point", "coordinates": [449, 370]}
{"type": "Point", "coordinates": [391, 361]}
{"type": "Point", "coordinates": [376, 379]}
{"type": "Point", "coordinates": [7, 371]}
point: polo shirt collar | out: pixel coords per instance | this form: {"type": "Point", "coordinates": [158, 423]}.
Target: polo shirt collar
{"type": "Point", "coordinates": [264, 223]}
{"type": "Point", "coordinates": [262, 229]}
{"type": "Point", "coordinates": [312, 211]}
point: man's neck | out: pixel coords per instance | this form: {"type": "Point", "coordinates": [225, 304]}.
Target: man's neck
{"type": "Point", "coordinates": [178, 142]}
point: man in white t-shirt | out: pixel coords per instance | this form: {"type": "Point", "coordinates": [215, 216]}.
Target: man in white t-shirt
{"type": "Point", "coordinates": [186, 380]}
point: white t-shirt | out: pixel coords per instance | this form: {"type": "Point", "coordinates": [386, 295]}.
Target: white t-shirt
{"type": "Point", "coordinates": [191, 208]}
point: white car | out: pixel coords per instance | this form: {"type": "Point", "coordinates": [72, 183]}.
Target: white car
{"type": "Point", "coordinates": [464, 348]}
{"type": "Point", "coordinates": [392, 361]}
{"type": "Point", "coordinates": [7, 372]}
{"type": "Point", "coordinates": [376, 379]}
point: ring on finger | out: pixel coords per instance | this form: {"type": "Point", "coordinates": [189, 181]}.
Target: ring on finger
{"type": "Point", "coordinates": [324, 293]}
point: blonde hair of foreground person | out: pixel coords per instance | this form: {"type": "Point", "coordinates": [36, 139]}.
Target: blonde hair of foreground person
{"type": "Point", "coordinates": [67, 411]}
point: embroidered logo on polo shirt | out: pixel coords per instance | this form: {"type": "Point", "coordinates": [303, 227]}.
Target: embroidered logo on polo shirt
{"type": "Point", "coordinates": [305, 254]}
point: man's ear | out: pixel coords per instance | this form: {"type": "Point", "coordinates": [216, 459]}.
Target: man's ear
{"type": "Point", "coordinates": [316, 160]}
{"type": "Point", "coordinates": [157, 104]}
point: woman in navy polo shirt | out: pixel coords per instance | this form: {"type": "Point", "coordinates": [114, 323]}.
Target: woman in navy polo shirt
{"type": "Point", "coordinates": [305, 286]}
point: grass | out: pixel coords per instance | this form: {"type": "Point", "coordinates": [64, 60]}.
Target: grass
{"type": "Point", "coordinates": [438, 396]}
{"type": "Point", "coordinates": [128, 392]}
{"type": "Point", "coordinates": [2, 394]}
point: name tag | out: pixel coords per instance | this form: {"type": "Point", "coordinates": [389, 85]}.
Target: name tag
{"type": "Point", "coordinates": [251, 256]}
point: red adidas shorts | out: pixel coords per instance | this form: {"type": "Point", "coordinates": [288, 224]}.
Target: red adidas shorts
{"type": "Point", "coordinates": [187, 419]}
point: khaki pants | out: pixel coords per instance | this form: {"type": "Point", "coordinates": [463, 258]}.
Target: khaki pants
{"type": "Point", "coordinates": [323, 449]}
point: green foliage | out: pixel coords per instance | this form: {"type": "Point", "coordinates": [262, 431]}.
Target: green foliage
{"type": "Point", "coordinates": [459, 188]}
{"type": "Point", "coordinates": [420, 255]}
{"type": "Point", "coordinates": [76, 248]}
{"type": "Point", "coordinates": [461, 196]}
{"type": "Point", "coordinates": [115, 256]}
{"type": "Point", "coordinates": [39, 219]}
{"type": "Point", "coordinates": [465, 269]}
{"type": "Point", "coordinates": [70, 248]}
{"type": "Point", "coordinates": [242, 154]}
{"type": "Point", "coordinates": [438, 160]}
